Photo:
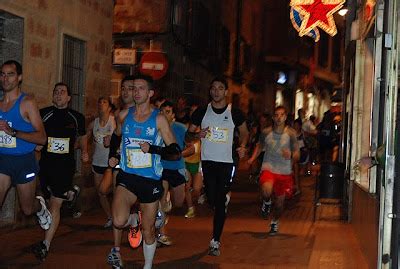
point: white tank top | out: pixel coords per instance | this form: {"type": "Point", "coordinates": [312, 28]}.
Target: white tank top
{"type": "Point", "coordinates": [217, 145]}
{"type": "Point", "coordinates": [273, 160]}
{"type": "Point", "coordinates": [100, 154]}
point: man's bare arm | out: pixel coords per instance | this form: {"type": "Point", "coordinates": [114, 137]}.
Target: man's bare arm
{"type": "Point", "coordinates": [243, 139]}
{"type": "Point", "coordinates": [31, 113]}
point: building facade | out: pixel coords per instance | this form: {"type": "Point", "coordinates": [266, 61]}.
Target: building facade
{"type": "Point", "coordinates": [311, 71]}
{"type": "Point", "coordinates": [371, 113]}
{"type": "Point", "coordinates": [57, 40]}
{"type": "Point", "coordinates": [199, 39]}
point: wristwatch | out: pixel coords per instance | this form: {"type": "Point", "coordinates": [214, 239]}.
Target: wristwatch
{"type": "Point", "coordinates": [13, 132]}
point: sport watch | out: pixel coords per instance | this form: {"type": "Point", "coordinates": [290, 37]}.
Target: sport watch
{"type": "Point", "coordinates": [13, 132]}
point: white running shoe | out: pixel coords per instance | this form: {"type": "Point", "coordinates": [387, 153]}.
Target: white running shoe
{"type": "Point", "coordinates": [213, 249]}
{"type": "Point", "coordinates": [202, 199]}
{"type": "Point", "coordinates": [44, 215]}
{"type": "Point", "coordinates": [108, 224]}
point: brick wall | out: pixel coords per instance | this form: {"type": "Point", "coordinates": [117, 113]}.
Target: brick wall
{"type": "Point", "coordinates": [44, 24]}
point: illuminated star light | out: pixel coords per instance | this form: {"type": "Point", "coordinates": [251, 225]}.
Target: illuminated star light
{"type": "Point", "coordinates": [297, 19]}
{"type": "Point", "coordinates": [317, 13]}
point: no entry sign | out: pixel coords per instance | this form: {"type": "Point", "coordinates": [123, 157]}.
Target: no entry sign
{"type": "Point", "coordinates": [154, 64]}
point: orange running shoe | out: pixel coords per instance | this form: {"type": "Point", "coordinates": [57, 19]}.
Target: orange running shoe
{"type": "Point", "coordinates": [135, 234]}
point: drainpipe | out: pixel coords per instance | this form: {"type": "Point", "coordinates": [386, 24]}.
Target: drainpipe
{"type": "Point", "coordinates": [237, 74]}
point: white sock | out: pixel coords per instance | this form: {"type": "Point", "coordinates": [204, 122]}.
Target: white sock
{"type": "Point", "coordinates": [47, 244]}
{"type": "Point", "coordinates": [267, 202]}
{"type": "Point", "coordinates": [148, 252]}
{"type": "Point", "coordinates": [133, 220]}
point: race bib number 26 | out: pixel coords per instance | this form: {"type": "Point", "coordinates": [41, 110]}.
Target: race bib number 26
{"type": "Point", "coordinates": [58, 145]}
{"type": "Point", "coordinates": [7, 141]}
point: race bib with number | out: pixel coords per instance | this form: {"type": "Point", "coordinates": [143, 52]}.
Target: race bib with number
{"type": "Point", "coordinates": [99, 138]}
{"type": "Point", "coordinates": [301, 143]}
{"type": "Point", "coordinates": [138, 159]}
{"type": "Point", "coordinates": [58, 145]}
{"type": "Point", "coordinates": [7, 141]}
{"type": "Point", "coordinates": [218, 135]}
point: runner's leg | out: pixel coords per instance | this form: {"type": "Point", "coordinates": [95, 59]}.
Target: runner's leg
{"type": "Point", "coordinates": [5, 184]}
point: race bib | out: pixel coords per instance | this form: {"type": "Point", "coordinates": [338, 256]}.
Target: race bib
{"type": "Point", "coordinates": [58, 145]}
{"type": "Point", "coordinates": [218, 135]}
{"type": "Point", "coordinates": [7, 141]}
{"type": "Point", "coordinates": [301, 143]}
{"type": "Point", "coordinates": [138, 159]}
{"type": "Point", "coordinates": [99, 138]}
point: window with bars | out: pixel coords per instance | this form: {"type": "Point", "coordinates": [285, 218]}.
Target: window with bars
{"type": "Point", "coordinates": [74, 54]}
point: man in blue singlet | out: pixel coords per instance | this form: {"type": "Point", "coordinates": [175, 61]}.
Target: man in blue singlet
{"type": "Point", "coordinates": [21, 128]}
{"type": "Point", "coordinates": [144, 130]}
{"type": "Point", "coordinates": [174, 173]}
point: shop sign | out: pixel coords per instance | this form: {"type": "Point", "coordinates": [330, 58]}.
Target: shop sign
{"type": "Point", "coordinates": [124, 56]}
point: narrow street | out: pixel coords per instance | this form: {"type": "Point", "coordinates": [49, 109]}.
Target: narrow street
{"type": "Point", "coordinates": [83, 243]}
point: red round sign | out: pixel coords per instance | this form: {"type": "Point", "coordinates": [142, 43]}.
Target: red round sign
{"type": "Point", "coordinates": [153, 64]}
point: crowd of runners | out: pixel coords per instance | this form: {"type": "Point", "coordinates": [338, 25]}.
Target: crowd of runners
{"type": "Point", "coordinates": [148, 155]}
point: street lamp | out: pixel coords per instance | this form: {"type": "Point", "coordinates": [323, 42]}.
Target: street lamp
{"type": "Point", "coordinates": [342, 12]}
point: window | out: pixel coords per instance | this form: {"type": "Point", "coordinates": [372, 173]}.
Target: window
{"type": "Point", "coordinates": [323, 50]}
{"type": "Point", "coordinates": [179, 19]}
{"type": "Point", "coordinates": [224, 48]}
{"type": "Point", "coordinates": [200, 28]}
{"type": "Point", "coordinates": [336, 57]}
{"type": "Point", "coordinates": [11, 37]}
{"type": "Point", "coordinates": [73, 70]}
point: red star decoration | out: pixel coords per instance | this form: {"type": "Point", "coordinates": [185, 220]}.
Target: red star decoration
{"type": "Point", "coordinates": [317, 13]}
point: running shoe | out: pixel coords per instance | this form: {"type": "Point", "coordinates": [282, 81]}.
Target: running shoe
{"type": "Point", "coordinates": [202, 199]}
{"type": "Point", "coordinates": [190, 213]}
{"type": "Point", "coordinates": [135, 234]}
{"type": "Point", "coordinates": [160, 219]}
{"type": "Point", "coordinates": [266, 208]}
{"type": "Point", "coordinates": [76, 214]}
{"type": "Point", "coordinates": [164, 240]}
{"type": "Point", "coordinates": [40, 251]}
{"type": "Point", "coordinates": [274, 228]}
{"type": "Point", "coordinates": [168, 205]}
{"type": "Point", "coordinates": [76, 191]}
{"type": "Point", "coordinates": [108, 223]}
{"type": "Point", "coordinates": [214, 248]}
{"type": "Point", "coordinates": [44, 215]}
{"type": "Point", "coordinates": [227, 200]}
{"type": "Point", "coordinates": [114, 259]}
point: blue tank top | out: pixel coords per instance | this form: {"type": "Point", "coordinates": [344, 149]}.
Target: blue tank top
{"type": "Point", "coordinates": [12, 145]}
{"type": "Point", "coordinates": [133, 160]}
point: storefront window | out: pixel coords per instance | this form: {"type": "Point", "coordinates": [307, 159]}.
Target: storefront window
{"type": "Point", "coordinates": [299, 102]}
{"type": "Point", "coordinates": [279, 98]}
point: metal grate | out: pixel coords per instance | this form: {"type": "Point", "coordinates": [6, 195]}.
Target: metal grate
{"type": "Point", "coordinates": [73, 70]}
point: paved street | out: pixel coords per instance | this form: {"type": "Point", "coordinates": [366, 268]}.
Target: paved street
{"type": "Point", "coordinates": [83, 243]}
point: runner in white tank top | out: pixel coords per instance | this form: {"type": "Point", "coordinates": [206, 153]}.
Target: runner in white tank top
{"type": "Point", "coordinates": [218, 122]}
{"type": "Point", "coordinates": [101, 129]}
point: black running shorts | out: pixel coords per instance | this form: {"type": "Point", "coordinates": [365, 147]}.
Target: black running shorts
{"type": "Point", "coordinates": [146, 189]}
{"type": "Point", "coordinates": [174, 177]}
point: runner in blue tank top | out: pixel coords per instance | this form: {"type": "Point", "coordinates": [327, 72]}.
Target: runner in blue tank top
{"type": "Point", "coordinates": [143, 131]}
{"type": "Point", "coordinates": [21, 128]}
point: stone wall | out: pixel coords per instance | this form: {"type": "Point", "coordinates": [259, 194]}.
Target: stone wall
{"type": "Point", "coordinates": [45, 22]}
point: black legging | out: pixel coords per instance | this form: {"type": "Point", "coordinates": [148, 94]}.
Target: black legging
{"type": "Point", "coordinates": [218, 179]}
